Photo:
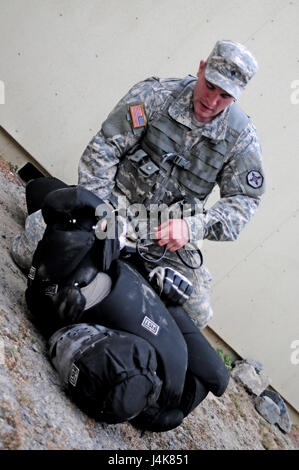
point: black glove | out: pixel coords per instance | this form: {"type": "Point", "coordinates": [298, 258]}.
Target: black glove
{"type": "Point", "coordinates": [68, 304]}
{"type": "Point", "coordinates": [171, 285]}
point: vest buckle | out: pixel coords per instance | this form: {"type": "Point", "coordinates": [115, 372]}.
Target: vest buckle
{"type": "Point", "coordinates": [177, 159]}
{"type": "Point", "coordinates": [181, 162]}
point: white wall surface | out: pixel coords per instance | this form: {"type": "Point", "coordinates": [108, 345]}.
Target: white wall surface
{"type": "Point", "coordinates": [65, 63]}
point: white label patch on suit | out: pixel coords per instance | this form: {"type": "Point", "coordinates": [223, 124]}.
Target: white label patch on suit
{"type": "Point", "coordinates": [51, 290]}
{"type": "Point", "coordinates": [255, 179]}
{"type": "Point", "coordinates": [150, 325]}
{"type": "Point", "coordinates": [74, 375]}
{"type": "Point", "coordinates": [32, 273]}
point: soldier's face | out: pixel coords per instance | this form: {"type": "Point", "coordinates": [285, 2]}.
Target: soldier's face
{"type": "Point", "coordinates": [208, 99]}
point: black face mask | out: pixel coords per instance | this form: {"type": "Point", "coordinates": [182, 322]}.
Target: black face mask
{"type": "Point", "coordinates": [70, 251]}
{"type": "Point", "coordinates": [73, 209]}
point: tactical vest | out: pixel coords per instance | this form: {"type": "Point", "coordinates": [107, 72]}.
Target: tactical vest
{"type": "Point", "coordinates": [160, 171]}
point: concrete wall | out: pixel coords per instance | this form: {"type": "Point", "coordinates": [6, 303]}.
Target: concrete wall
{"type": "Point", "coordinates": [65, 63]}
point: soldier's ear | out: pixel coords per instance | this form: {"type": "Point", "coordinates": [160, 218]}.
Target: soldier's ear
{"type": "Point", "coordinates": [201, 67]}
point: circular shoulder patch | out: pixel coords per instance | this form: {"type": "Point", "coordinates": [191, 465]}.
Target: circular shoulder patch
{"type": "Point", "coordinates": [255, 179]}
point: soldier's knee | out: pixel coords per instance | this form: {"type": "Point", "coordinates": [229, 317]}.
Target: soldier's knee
{"type": "Point", "coordinates": [24, 245]}
{"type": "Point", "coordinates": [200, 312]}
{"type": "Point", "coordinates": [198, 307]}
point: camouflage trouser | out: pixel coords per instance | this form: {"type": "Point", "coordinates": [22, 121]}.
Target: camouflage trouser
{"type": "Point", "coordinates": [24, 245]}
{"type": "Point", "coordinates": [197, 307]}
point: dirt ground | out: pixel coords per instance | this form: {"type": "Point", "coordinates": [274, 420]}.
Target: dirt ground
{"type": "Point", "coordinates": [35, 413]}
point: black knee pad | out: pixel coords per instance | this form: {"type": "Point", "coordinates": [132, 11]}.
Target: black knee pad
{"type": "Point", "coordinates": [203, 360]}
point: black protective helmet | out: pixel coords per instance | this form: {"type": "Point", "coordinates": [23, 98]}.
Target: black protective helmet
{"type": "Point", "coordinates": [110, 374]}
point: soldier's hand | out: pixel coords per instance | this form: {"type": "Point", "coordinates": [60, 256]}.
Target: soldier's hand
{"type": "Point", "coordinates": [171, 285]}
{"type": "Point", "coordinates": [68, 304]}
{"type": "Point", "coordinates": [174, 233]}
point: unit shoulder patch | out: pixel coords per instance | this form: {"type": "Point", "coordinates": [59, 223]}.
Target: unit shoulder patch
{"type": "Point", "coordinates": [138, 116]}
{"type": "Point", "coordinates": [255, 179]}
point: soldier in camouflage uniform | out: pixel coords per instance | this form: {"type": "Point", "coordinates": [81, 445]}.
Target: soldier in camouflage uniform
{"type": "Point", "coordinates": [169, 141]}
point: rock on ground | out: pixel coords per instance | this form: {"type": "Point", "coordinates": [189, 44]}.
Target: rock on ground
{"type": "Point", "coordinates": [35, 413]}
{"type": "Point", "coordinates": [253, 382]}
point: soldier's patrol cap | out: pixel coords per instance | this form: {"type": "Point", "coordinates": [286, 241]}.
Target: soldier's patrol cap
{"type": "Point", "coordinates": [230, 66]}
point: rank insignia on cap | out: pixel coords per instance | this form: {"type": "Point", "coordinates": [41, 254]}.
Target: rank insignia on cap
{"type": "Point", "coordinates": [137, 115]}
{"type": "Point", "coordinates": [255, 179]}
